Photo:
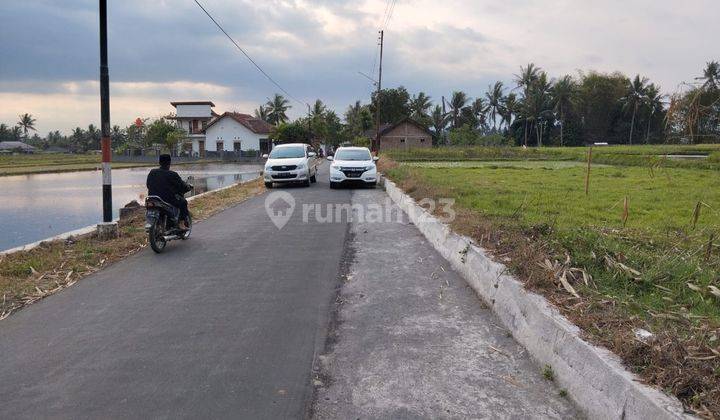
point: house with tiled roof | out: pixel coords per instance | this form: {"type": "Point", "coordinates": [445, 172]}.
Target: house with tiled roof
{"type": "Point", "coordinates": [211, 134]}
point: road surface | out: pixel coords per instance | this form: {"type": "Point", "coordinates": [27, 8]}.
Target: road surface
{"type": "Point", "coordinates": [234, 324]}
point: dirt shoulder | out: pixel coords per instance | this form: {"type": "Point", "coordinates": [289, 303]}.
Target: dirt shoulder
{"type": "Point", "coordinates": [28, 276]}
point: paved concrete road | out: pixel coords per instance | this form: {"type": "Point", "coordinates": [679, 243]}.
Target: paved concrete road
{"type": "Point", "coordinates": [413, 341]}
{"type": "Point", "coordinates": [228, 324]}
{"type": "Point", "coordinates": [225, 325]}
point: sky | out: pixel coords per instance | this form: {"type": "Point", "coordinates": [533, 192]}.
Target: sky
{"type": "Point", "coordinates": [169, 50]}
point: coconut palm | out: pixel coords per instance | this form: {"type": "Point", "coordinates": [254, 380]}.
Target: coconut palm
{"type": "Point", "coordinates": [261, 112]}
{"type": "Point", "coordinates": [562, 93]}
{"type": "Point", "coordinates": [478, 109]}
{"type": "Point", "coordinates": [419, 107]}
{"type": "Point", "coordinates": [495, 96]}
{"type": "Point", "coordinates": [528, 75]}
{"type": "Point", "coordinates": [510, 107]}
{"type": "Point", "coordinates": [634, 97]}
{"type": "Point", "coordinates": [537, 105]}
{"type": "Point", "coordinates": [439, 123]}
{"type": "Point", "coordinates": [318, 110]}
{"type": "Point", "coordinates": [457, 103]}
{"type": "Point", "coordinates": [711, 76]}
{"type": "Point", "coordinates": [276, 109]}
{"type": "Point", "coordinates": [653, 103]}
{"type": "Point", "coordinates": [27, 122]}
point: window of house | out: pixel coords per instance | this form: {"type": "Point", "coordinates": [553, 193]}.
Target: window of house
{"type": "Point", "coordinates": [402, 140]}
{"type": "Point", "coordinates": [422, 140]}
{"type": "Point", "coordinates": [219, 146]}
{"type": "Point", "coordinates": [204, 125]}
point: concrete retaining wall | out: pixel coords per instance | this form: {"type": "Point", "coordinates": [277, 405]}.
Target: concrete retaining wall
{"type": "Point", "coordinates": [593, 377]}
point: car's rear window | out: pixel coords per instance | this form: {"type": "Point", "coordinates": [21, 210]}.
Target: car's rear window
{"type": "Point", "coordinates": [352, 155]}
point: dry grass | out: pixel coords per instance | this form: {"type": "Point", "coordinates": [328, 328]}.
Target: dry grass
{"type": "Point", "coordinates": [28, 276]}
{"type": "Point", "coordinates": [683, 358]}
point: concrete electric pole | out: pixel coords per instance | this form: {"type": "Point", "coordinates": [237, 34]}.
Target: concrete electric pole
{"type": "Point", "coordinates": [376, 143]}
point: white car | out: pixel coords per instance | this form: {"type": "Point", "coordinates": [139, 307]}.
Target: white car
{"type": "Point", "coordinates": [353, 165]}
{"type": "Point", "coordinates": [293, 162]}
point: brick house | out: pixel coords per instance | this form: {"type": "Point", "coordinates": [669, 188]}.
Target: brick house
{"type": "Point", "coordinates": [404, 134]}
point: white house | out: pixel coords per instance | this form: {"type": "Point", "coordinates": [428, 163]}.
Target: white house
{"type": "Point", "coordinates": [210, 133]}
{"type": "Point", "coordinates": [235, 132]}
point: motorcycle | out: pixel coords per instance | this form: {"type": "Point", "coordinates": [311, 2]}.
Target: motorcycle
{"type": "Point", "coordinates": [162, 223]}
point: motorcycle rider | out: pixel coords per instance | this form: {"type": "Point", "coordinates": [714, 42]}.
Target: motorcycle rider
{"type": "Point", "coordinates": [168, 185]}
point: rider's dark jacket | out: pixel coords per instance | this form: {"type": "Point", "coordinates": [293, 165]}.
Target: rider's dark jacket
{"type": "Point", "coordinates": [167, 185]}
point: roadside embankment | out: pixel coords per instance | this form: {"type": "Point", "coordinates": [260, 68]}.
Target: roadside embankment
{"type": "Point", "coordinates": [29, 275]}
{"type": "Point", "coordinates": [633, 262]}
{"type": "Point", "coordinates": [594, 378]}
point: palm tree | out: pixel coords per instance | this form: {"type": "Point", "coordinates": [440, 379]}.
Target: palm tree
{"type": "Point", "coordinates": [562, 96]}
{"type": "Point", "coordinates": [261, 112]}
{"type": "Point", "coordinates": [537, 105]}
{"type": "Point", "coordinates": [457, 103]}
{"type": "Point", "coordinates": [653, 103]}
{"type": "Point", "coordinates": [478, 110]}
{"type": "Point", "coordinates": [711, 76]}
{"type": "Point", "coordinates": [27, 122]}
{"type": "Point", "coordinates": [634, 97]}
{"type": "Point", "coordinates": [495, 96]}
{"type": "Point", "coordinates": [528, 75]}
{"type": "Point", "coordinates": [16, 133]}
{"type": "Point", "coordinates": [276, 109]}
{"type": "Point", "coordinates": [419, 107]}
{"type": "Point", "coordinates": [439, 123]}
{"type": "Point", "coordinates": [510, 107]}
{"type": "Point", "coordinates": [318, 110]}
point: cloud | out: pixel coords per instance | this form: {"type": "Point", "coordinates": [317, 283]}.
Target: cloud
{"type": "Point", "coordinates": [166, 50]}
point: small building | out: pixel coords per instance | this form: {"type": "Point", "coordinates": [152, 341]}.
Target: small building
{"type": "Point", "coordinates": [16, 147]}
{"type": "Point", "coordinates": [235, 132]}
{"type": "Point", "coordinates": [404, 134]}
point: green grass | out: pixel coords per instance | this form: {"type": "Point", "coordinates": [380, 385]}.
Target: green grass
{"type": "Point", "coordinates": [613, 155]}
{"type": "Point", "coordinates": [658, 240]}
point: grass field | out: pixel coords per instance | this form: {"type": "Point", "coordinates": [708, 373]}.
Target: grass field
{"type": "Point", "coordinates": [50, 163]}
{"type": "Point", "coordinates": [646, 233]}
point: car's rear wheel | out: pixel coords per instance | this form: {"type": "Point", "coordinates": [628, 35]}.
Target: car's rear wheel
{"type": "Point", "coordinates": [333, 185]}
{"type": "Point", "coordinates": [306, 183]}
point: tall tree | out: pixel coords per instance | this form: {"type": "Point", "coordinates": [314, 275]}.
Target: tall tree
{"type": "Point", "coordinates": [358, 119]}
{"type": "Point", "coordinates": [277, 108]}
{"type": "Point", "coordinates": [652, 102]}
{"type": "Point", "coordinates": [525, 79]}
{"type": "Point", "coordinates": [420, 107]}
{"type": "Point", "coordinates": [711, 75]}
{"type": "Point", "coordinates": [394, 104]}
{"type": "Point", "coordinates": [510, 108]}
{"type": "Point", "coordinates": [634, 97]}
{"type": "Point", "coordinates": [439, 123]}
{"type": "Point", "coordinates": [458, 101]}
{"type": "Point", "coordinates": [495, 96]}
{"type": "Point", "coordinates": [27, 122]}
{"type": "Point", "coordinates": [261, 112]}
{"type": "Point", "coordinates": [562, 94]}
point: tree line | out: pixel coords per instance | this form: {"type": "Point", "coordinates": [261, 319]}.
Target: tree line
{"type": "Point", "coordinates": [535, 110]}
{"type": "Point", "coordinates": [142, 133]}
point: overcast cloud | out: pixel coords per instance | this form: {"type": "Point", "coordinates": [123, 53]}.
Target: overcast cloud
{"type": "Point", "coordinates": [165, 50]}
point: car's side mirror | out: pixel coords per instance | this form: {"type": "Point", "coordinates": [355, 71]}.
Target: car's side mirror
{"type": "Point", "coordinates": [329, 158]}
{"type": "Point", "coordinates": [265, 156]}
{"type": "Point", "coordinates": [311, 154]}
{"type": "Point", "coordinates": [376, 158]}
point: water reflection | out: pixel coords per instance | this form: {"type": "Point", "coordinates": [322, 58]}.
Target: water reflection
{"type": "Point", "coordinates": [34, 207]}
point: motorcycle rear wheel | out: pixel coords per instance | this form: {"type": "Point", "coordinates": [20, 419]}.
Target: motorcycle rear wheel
{"type": "Point", "coordinates": [156, 238]}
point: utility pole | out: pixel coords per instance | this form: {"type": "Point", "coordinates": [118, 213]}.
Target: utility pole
{"type": "Point", "coordinates": [376, 145]}
{"type": "Point", "coordinates": [107, 229]}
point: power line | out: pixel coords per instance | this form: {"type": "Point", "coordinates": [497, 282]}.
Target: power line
{"type": "Point", "coordinates": [389, 15]}
{"type": "Point", "coordinates": [250, 58]}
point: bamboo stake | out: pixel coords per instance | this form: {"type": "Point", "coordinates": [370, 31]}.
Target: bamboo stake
{"type": "Point", "coordinates": [625, 211]}
{"type": "Point", "coordinates": [587, 175]}
{"type": "Point", "coordinates": [708, 251]}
